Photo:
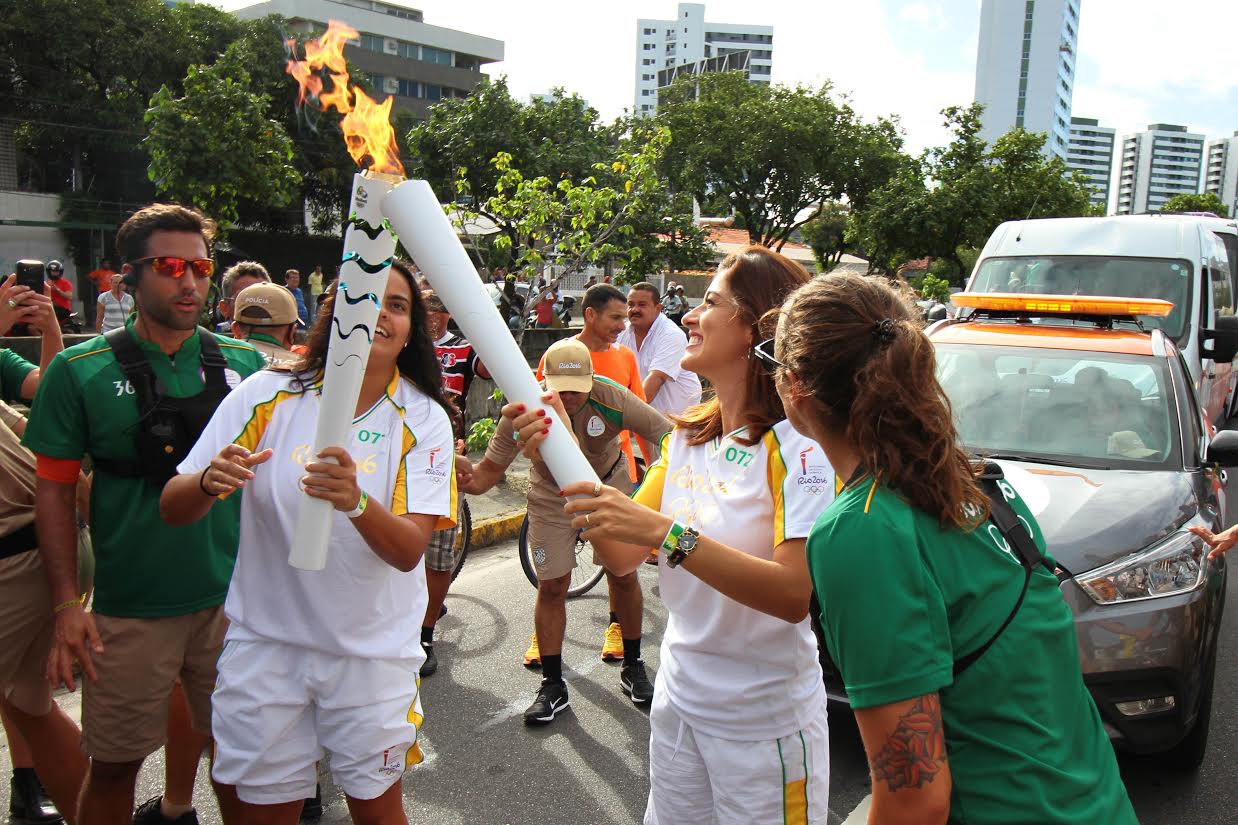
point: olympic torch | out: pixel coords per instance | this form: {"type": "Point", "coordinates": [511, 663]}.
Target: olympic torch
{"type": "Point", "coordinates": [416, 216]}
{"type": "Point", "coordinates": [368, 249]}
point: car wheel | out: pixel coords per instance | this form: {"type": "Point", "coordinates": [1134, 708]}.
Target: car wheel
{"type": "Point", "coordinates": [1188, 754]}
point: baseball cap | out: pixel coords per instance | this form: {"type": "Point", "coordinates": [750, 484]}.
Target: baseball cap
{"type": "Point", "coordinates": [265, 305]}
{"type": "Point", "coordinates": [568, 367]}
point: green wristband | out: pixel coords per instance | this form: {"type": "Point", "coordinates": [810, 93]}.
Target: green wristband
{"type": "Point", "coordinates": [671, 543]}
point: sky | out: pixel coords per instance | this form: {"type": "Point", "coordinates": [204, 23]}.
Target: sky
{"type": "Point", "coordinates": [1140, 61]}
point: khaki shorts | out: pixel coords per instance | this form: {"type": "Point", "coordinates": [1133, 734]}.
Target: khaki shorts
{"type": "Point", "coordinates": [125, 710]}
{"type": "Point", "coordinates": [552, 538]}
{"type": "Point", "coordinates": [26, 626]}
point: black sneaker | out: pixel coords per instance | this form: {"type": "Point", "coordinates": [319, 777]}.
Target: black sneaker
{"type": "Point", "coordinates": [148, 813]}
{"type": "Point", "coordinates": [311, 811]}
{"type": "Point", "coordinates": [635, 682]}
{"type": "Point", "coordinates": [551, 701]}
{"type": "Point", "coordinates": [28, 801]}
{"type": "Point", "coordinates": [431, 663]}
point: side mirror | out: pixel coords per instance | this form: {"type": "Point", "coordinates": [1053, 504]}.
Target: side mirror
{"type": "Point", "coordinates": [1224, 339]}
{"type": "Point", "coordinates": [1223, 449]}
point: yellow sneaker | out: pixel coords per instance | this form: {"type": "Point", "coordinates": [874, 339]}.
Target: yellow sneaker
{"type": "Point", "coordinates": [612, 647]}
{"type": "Point", "coordinates": [533, 656]}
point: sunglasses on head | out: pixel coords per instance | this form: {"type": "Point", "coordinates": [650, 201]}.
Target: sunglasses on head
{"type": "Point", "coordinates": [764, 352]}
{"type": "Point", "coordinates": [171, 267]}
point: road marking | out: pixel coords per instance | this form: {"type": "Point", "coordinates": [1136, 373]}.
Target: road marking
{"type": "Point", "coordinates": [860, 815]}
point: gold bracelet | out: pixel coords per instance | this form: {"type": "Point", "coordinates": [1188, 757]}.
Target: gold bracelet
{"type": "Point", "coordinates": [66, 605]}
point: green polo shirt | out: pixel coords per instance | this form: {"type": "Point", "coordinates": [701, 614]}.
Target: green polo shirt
{"type": "Point", "coordinates": [146, 568]}
{"type": "Point", "coordinates": [13, 372]}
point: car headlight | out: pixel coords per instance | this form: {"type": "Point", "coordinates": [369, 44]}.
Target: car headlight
{"type": "Point", "coordinates": [1174, 566]}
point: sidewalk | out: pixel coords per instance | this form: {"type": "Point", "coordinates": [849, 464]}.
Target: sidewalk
{"type": "Point", "coordinates": [497, 514]}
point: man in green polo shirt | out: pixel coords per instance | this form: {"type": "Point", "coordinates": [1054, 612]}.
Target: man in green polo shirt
{"type": "Point", "coordinates": [159, 590]}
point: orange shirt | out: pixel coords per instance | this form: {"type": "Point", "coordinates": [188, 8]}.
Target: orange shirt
{"type": "Point", "coordinates": [619, 365]}
{"type": "Point", "coordinates": [102, 279]}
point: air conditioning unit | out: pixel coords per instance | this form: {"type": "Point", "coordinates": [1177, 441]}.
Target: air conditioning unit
{"type": "Point", "coordinates": [391, 85]}
{"type": "Point", "coordinates": [391, 45]}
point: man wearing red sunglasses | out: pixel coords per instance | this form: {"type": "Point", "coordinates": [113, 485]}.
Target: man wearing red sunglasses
{"type": "Point", "coordinates": [136, 399]}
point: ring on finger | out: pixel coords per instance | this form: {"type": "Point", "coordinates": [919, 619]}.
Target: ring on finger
{"type": "Point", "coordinates": [597, 489]}
{"type": "Point", "coordinates": [586, 520]}
{"type": "Point", "coordinates": [12, 304]}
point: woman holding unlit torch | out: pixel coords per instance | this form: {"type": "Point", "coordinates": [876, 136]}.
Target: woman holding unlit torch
{"type": "Point", "coordinates": [327, 659]}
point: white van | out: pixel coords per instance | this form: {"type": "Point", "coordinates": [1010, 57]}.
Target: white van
{"type": "Point", "coordinates": [1177, 258]}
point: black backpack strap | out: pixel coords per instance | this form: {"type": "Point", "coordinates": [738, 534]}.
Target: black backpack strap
{"type": "Point", "coordinates": [136, 367]}
{"type": "Point", "coordinates": [1021, 544]}
{"type": "Point", "coordinates": [213, 362]}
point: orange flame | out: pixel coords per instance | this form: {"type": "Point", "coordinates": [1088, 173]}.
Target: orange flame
{"type": "Point", "coordinates": [366, 124]}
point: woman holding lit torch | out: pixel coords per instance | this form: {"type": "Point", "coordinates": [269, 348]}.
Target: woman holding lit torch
{"type": "Point", "coordinates": [327, 659]}
{"type": "Point", "coordinates": [738, 729]}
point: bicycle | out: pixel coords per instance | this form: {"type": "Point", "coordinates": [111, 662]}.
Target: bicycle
{"type": "Point", "coordinates": [585, 574]}
{"type": "Point", "coordinates": [464, 535]}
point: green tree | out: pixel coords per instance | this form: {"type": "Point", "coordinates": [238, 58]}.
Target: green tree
{"type": "Point", "coordinates": [571, 224]}
{"type": "Point", "coordinates": [954, 196]}
{"type": "Point", "coordinates": [1205, 202]}
{"type": "Point", "coordinates": [216, 148]}
{"type": "Point", "coordinates": [933, 288]}
{"type": "Point", "coordinates": [825, 234]}
{"type": "Point", "coordinates": [773, 153]}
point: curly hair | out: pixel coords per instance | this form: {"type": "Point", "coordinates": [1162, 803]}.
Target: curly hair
{"type": "Point", "coordinates": [856, 344]}
{"type": "Point", "coordinates": [759, 280]}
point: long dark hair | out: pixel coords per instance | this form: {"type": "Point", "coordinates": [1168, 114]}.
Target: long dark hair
{"type": "Point", "coordinates": [760, 280]}
{"type": "Point", "coordinates": [417, 361]}
{"type": "Point", "coordinates": [858, 345]}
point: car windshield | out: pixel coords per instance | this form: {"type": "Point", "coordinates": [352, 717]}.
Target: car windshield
{"type": "Point", "coordinates": [1083, 409]}
{"type": "Point", "coordinates": [1164, 278]}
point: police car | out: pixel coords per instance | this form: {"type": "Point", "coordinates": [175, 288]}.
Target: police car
{"type": "Point", "coordinates": [1096, 422]}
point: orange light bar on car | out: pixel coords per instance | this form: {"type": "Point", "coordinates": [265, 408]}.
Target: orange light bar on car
{"type": "Point", "coordinates": [1062, 304]}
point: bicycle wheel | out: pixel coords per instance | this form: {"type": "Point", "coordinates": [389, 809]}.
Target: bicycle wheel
{"type": "Point", "coordinates": [585, 575]}
{"type": "Point", "coordinates": [464, 535]}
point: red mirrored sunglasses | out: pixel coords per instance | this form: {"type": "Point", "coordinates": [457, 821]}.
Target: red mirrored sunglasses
{"type": "Point", "coordinates": [171, 267]}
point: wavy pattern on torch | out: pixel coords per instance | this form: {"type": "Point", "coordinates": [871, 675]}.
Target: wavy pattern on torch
{"type": "Point", "coordinates": [346, 359]}
{"type": "Point", "coordinates": [372, 269]}
{"type": "Point", "coordinates": [370, 230]}
{"type": "Point", "coordinates": [344, 335]}
{"type": "Point", "coordinates": [369, 296]}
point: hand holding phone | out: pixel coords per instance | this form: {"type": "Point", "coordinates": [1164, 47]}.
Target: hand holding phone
{"type": "Point", "coordinates": [30, 274]}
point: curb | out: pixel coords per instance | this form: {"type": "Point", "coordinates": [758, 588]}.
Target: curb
{"type": "Point", "coordinates": [498, 529]}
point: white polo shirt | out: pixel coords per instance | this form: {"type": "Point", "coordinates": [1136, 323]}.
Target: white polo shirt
{"type": "Point", "coordinates": [729, 670]}
{"type": "Point", "coordinates": [358, 605]}
{"type": "Point", "coordinates": [662, 350]}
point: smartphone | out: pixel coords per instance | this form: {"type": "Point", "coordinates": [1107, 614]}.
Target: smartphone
{"type": "Point", "coordinates": [30, 273]}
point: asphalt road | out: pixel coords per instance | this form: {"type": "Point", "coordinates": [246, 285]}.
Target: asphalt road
{"type": "Point", "coordinates": [484, 767]}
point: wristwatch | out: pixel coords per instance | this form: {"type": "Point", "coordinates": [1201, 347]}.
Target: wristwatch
{"type": "Point", "coordinates": [680, 545]}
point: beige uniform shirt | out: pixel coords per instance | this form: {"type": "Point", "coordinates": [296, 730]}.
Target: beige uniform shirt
{"type": "Point", "coordinates": [16, 476]}
{"type": "Point", "coordinates": [609, 410]}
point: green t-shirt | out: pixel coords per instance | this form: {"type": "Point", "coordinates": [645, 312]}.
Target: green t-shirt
{"type": "Point", "coordinates": [13, 372]}
{"type": "Point", "coordinates": [902, 599]}
{"type": "Point", "coordinates": [145, 567]}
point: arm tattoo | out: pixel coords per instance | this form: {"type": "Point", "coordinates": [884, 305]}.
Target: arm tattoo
{"type": "Point", "coordinates": [915, 752]}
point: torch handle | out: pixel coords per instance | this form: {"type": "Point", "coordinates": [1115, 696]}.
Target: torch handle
{"type": "Point", "coordinates": [414, 213]}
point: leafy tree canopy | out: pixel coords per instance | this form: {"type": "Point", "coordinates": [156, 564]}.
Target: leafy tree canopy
{"type": "Point", "coordinates": [1206, 202]}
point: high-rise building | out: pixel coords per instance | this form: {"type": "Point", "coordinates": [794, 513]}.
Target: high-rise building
{"type": "Point", "coordinates": [408, 59]}
{"type": "Point", "coordinates": [1090, 151]}
{"type": "Point", "coordinates": [690, 41]}
{"type": "Point", "coordinates": [1157, 164]}
{"type": "Point", "coordinates": [1221, 171]}
{"type": "Point", "coordinates": [1025, 68]}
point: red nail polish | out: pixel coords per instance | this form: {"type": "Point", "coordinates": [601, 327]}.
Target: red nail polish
{"type": "Point", "coordinates": [561, 494]}
{"type": "Point", "coordinates": [547, 420]}
{"type": "Point", "coordinates": [541, 412]}
{"type": "Point", "coordinates": [520, 407]}
{"type": "Point", "coordinates": [545, 432]}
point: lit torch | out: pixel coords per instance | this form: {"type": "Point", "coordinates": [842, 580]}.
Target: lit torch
{"type": "Point", "coordinates": [368, 249]}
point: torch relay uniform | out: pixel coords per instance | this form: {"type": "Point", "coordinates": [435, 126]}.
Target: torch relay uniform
{"type": "Point", "coordinates": [738, 730]}
{"type": "Point", "coordinates": [325, 659]}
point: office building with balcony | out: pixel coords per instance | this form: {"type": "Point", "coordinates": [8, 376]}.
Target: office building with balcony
{"type": "Point", "coordinates": [1025, 68]}
{"type": "Point", "coordinates": [1157, 164]}
{"type": "Point", "coordinates": [408, 59]}
{"type": "Point", "coordinates": [690, 44]}
{"type": "Point", "coordinates": [1221, 171]}
{"type": "Point", "coordinates": [1090, 152]}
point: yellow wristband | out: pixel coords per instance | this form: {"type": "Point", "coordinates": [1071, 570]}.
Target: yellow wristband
{"type": "Point", "coordinates": [66, 605]}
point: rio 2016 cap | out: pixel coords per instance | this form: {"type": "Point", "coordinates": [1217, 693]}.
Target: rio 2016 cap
{"type": "Point", "coordinates": [568, 367]}
{"type": "Point", "coordinates": [265, 305]}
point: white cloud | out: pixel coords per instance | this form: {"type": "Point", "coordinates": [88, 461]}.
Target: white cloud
{"type": "Point", "coordinates": [928, 15]}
